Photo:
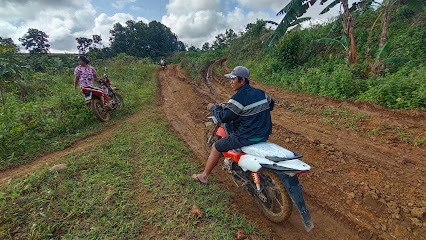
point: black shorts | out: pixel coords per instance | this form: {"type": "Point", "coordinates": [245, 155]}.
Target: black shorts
{"type": "Point", "coordinates": [232, 142]}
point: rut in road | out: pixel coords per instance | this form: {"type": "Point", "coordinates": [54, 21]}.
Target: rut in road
{"type": "Point", "coordinates": [184, 104]}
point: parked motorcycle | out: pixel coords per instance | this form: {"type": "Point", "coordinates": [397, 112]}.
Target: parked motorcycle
{"type": "Point", "coordinates": [268, 171]}
{"type": "Point", "coordinates": [103, 99]}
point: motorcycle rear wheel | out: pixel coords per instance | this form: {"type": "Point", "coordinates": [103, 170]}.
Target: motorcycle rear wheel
{"type": "Point", "coordinates": [99, 110]}
{"type": "Point", "coordinates": [277, 206]}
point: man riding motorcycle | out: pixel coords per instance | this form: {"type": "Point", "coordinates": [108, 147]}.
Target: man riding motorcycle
{"type": "Point", "coordinates": [163, 63]}
{"type": "Point", "coordinates": [247, 115]}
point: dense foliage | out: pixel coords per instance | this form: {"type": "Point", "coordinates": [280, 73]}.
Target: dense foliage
{"type": "Point", "coordinates": [139, 39]}
{"type": "Point", "coordinates": [309, 60]}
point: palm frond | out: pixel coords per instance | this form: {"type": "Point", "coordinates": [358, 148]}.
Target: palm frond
{"type": "Point", "coordinates": [330, 6]}
{"type": "Point", "coordinates": [383, 51]}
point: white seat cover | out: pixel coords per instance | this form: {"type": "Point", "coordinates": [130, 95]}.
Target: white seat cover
{"type": "Point", "coordinates": [268, 149]}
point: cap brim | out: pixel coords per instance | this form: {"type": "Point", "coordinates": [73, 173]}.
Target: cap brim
{"type": "Point", "coordinates": [229, 75]}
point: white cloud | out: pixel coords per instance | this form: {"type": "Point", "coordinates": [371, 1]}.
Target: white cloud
{"type": "Point", "coordinates": [197, 27]}
{"type": "Point", "coordinates": [120, 4]}
{"type": "Point", "coordinates": [264, 4]}
{"type": "Point", "coordinates": [104, 23]}
{"type": "Point", "coordinates": [62, 21]}
{"type": "Point", "coordinates": [179, 7]}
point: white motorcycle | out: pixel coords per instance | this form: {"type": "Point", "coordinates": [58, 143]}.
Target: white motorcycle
{"type": "Point", "coordinates": [269, 172]}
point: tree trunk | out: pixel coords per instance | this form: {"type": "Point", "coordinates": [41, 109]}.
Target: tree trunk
{"type": "Point", "coordinates": [384, 28]}
{"type": "Point", "coordinates": [2, 97]}
{"type": "Point", "coordinates": [370, 35]}
{"type": "Point", "coordinates": [348, 26]}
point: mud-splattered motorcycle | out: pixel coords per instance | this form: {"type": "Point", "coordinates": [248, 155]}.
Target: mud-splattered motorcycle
{"type": "Point", "coordinates": [269, 172]}
{"type": "Point", "coordinates": [103, 99]}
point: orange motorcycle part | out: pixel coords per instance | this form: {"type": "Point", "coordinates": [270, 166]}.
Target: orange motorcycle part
{"type": "Point", "coordinates": [233, 155]}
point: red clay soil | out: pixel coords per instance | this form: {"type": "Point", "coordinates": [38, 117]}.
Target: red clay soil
{"type": "Point", "coordinates": [367, 178]}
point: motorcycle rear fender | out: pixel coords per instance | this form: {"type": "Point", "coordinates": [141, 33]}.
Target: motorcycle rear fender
{"type": "Point", "coordinates": [97, 92]}
{"type": "Point", "coordinates": [294, 190]}
{"type": "Point", "coordinates": [255, 163]}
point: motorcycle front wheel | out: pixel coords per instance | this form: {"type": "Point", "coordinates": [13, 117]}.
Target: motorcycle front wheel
{"type": "Point", "coordinates": [210, 136]}
{"type": "Point", "coordinates": [99, 110]}
{"type": "Point", "coordinates": [274, 201]}
{"type": "Point", "coordinates": [120, 101]}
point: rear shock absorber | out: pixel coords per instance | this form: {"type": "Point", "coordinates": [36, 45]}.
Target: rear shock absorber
{"type": "Point", "coordinates": [256, 180]}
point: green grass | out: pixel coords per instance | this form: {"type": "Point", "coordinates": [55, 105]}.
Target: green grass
{"type": "Point", "coordinates": [136, 185]}
{"type": "Point", "coordinates": [52, 116]}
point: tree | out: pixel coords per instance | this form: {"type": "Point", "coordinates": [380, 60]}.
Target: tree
{"type": "Point", "coordinates": [414, 5]}
{"type": "Point", "coordinates": [97, 39]}
{"type": "Point", "coordinates": [10, 64]}
{"type": "Point", "coordinates": [83, 44]}
{"type": "Point", "coordinates": [144, 40]}
{"type": "Point", "coordinates": [36, 41]}
{"type": "Point", "coordinates": [224, 40]}
{"type": "Point", "coordinates": [192, 49]}
{"type": "Point", "coordinates": [206, 46]}
{"type": "Point", "coordinates": [296, 8]}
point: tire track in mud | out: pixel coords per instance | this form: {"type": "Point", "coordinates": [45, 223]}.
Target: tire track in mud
{"type": "Point", "coordinates": [178, 93]}
{"type": "Point", "coordinates": [378, 186]}
{"type": "Point", "coordinates": [360, 187]}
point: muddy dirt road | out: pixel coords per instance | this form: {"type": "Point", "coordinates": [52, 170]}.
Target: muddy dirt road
{"type": "Point", "coordinates": [367, 179]}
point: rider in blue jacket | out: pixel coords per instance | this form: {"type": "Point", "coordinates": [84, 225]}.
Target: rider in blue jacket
{"type": "Point", "coordinates": [246, 116]}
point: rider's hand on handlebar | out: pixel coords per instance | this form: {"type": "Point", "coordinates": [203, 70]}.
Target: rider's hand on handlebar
{"type": "Point", "coordinates": [210, 105]}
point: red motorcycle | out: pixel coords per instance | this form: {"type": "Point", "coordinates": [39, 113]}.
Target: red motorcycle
{"type": "Point", "coordinates": [104, 99]}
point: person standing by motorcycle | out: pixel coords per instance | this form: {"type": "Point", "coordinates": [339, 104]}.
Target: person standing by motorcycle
{"type": "Point", "coordinates": [84, 74]}
{"type": "Point", "coordinates": [247, 112]}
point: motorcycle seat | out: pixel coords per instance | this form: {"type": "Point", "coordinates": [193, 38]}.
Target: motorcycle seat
{"type": "Point", "coordinates": [270, 151]}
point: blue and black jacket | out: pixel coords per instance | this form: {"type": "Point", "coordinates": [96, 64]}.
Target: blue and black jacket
{"type": "Point", "coordinates": [249, 112]}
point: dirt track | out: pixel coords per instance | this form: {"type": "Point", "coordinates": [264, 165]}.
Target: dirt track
{"type": "Point", "coordinates": [362, 185]}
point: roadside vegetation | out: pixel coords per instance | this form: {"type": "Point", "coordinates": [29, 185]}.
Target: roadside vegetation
{"type": "Point", "coordinates": [314, 60]}
{"type": "Point", "coordinates": [42, 113]}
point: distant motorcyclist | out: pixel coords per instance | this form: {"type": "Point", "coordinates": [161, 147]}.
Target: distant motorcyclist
{"type": "Point", "coordinates": [248, 113]}
{"type": "Point", "coordinates": [163, 63]}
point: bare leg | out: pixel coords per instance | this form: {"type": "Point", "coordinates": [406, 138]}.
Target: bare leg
{"type": "Point", "coordinates": [210, 164]}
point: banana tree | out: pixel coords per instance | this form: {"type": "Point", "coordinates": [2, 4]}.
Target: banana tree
{"type": "Point", "coordinates": [344, 41]}
{"type": "Point", "coordinates": [414, 5]}
{"type": "Point", "coordinates": [348, 26]}
{"type": "Point", "coordinates": [292, 16]}
{"type": "Point", "coordinates": [296, 8]}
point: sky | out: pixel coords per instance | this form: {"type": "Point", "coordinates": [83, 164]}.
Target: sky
{"type": "Point", "coordinates": [195, 22]}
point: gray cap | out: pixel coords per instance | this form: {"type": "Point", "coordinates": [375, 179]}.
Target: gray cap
{"type": "Point", "coordinates": [239, 71]}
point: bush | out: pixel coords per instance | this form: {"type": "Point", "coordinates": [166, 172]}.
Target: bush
{"type": "Point", "coordinates": [404, 90]}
